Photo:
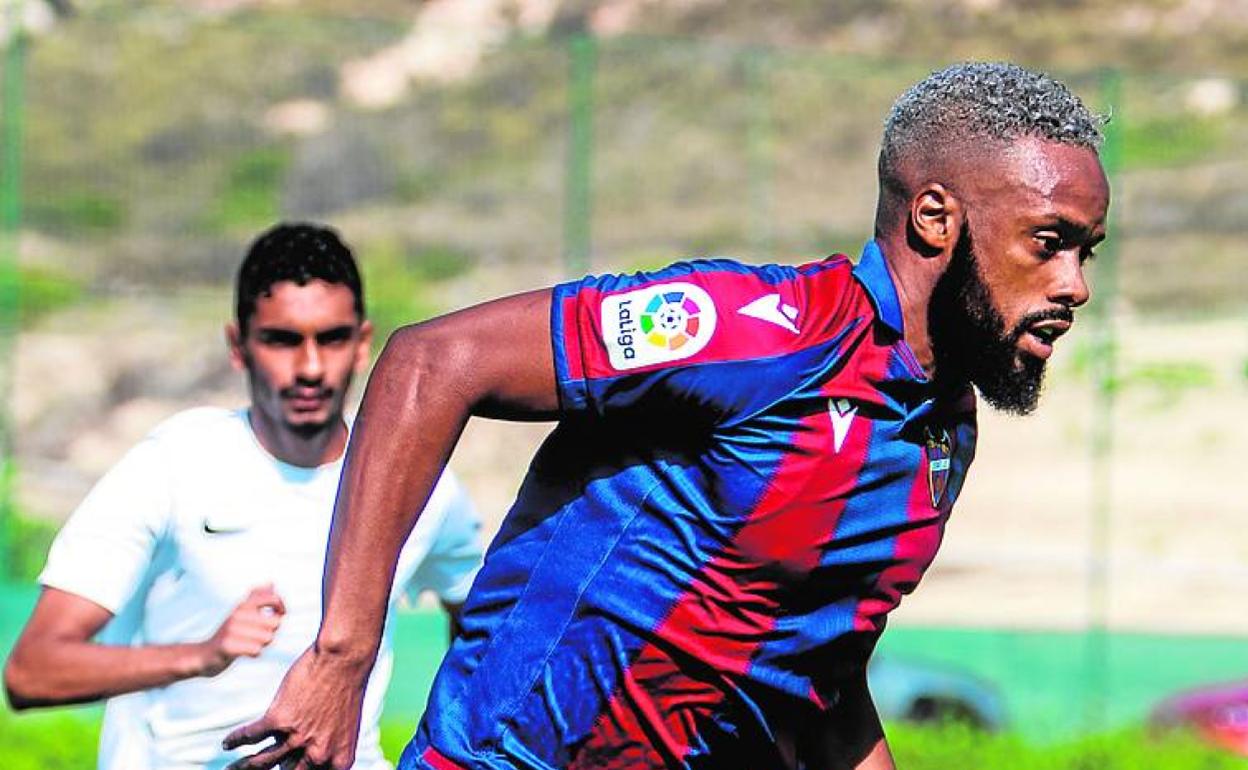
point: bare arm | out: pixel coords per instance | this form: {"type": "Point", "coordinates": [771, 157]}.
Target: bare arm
{"type": "Point", "coordinates": [491, 360]}
{"type": "Point", "coordinates": [849, 737]}
{"type": "Point", "coordinates": [54, 661]}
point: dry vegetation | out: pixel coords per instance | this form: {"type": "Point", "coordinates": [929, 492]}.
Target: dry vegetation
{"type": "Point", "coordinates": [143, 183]}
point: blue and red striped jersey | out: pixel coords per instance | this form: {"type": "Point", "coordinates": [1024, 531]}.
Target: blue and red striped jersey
{"type": "Point", "coordinates": [750, 470]}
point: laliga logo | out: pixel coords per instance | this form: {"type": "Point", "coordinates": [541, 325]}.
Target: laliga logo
{"type": "Point", "coordinates": [671, 320]}
{"type": "Point", "coordinates": [657, 324]}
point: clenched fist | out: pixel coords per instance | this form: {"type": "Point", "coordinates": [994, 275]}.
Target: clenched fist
{"type": "Point", "coordinates": [249, 628]}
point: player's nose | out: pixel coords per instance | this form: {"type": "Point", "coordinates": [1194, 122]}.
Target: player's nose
{"type": "Point", "coordinates": [310, 364]}
{"type": "Point", "coordinates": [1070, 285]}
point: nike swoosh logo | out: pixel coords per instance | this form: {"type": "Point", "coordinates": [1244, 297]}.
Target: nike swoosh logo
{"type": "Point", "coordinates": [211, 530]}
{"type": "Point", "coordinates": [842, 413]}
{"type": "Point", "coordinates": [769, 308]}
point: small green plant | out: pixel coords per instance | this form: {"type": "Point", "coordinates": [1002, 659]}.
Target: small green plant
{"type": "Point", "coordinates": [1172, 377]}
{"type": "Point", "coordinates": [1167, 379]}
{"type": "Point", "coordinates": [29, 540]}
{"type": "Point", "coordinates": [1086, 359]}
{"type": "Point", "coordinates": [44, 290]}
{"type": "Point", "coordinates": [76, 212]}
{"type": "Point", "coordinates": [1170, 141]}
{"type": "Point", "coordinates": [415, 186]}
{"type": "Point", "coordinates": [439, 262]}
{"type": "Point", "coordinates": [398, 282]}
{"type": "Point", "coordinates": [252, 197]}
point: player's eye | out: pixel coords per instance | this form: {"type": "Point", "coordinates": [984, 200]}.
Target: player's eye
{"type": "Point", "coordinates": [1089, 249]}
{"type": "Point", "coordinates": [335, 336]}
{"type": "Point", "coordinates": [1050, 243]}
{"type": "Point", "coordinates": [279, 338]}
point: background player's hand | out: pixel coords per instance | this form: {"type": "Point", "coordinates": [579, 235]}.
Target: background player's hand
{"type": "Point", "coordinates": [248, 629]}
{"type": "Point", "coordinates": [314, 718]}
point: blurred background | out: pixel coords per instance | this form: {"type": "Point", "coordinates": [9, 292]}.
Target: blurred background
{"type": "Point", "coordinates": [1097, 563]}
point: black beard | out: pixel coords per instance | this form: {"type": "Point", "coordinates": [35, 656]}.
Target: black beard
{"type": "Point", "coordinates": [970, 341]}
{"type": "Point", "coordinates": [310, 430]}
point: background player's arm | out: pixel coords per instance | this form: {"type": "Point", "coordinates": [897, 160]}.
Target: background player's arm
{"type": "Point", "coordinates": [849, 736]}
{"type": "Point", "coordinates": [493, 360]}
{"type": "Point", "coordinates": [55, 661]}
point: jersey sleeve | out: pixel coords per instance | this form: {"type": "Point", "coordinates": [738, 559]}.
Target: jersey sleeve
{"type": "Point", "coordinates": [703, 336]}
{"type": "Point", "coordinates": [455, 555]}
{"type": "Point", "coordinates": [106, 545]}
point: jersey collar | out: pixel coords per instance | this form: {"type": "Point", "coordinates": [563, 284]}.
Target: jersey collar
{"type": "Point", "coordinates": [872, 272]}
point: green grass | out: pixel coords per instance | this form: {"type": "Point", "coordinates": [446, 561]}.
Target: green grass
{"type": "Point", "coordinates": [66, 740]}
{"type": "Point", "coordinates": [60, 740]}
{"type": "Point", "coordinates": [1059, 685]}
{"type": "Point", "coordinates": [394, 736]}
{"type": "Point", "coordinates": [955, 746]}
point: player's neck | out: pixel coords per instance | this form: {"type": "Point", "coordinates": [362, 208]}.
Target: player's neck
{"type": "Point", "coordinates": [302, 450]}
{"type": "Point", "coordinates": [915, 281]}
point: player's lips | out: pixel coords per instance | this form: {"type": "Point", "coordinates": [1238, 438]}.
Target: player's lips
{"type": "Point", "coordinates": [307, 400]}
{"type": "Point", "coordinates": [1038, 338]}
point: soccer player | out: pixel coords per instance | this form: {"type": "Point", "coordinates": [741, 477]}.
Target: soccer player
{"type": "Point", "coordinates": [200, 553]}
{"type": "Point", "coordinates": [752, 465]}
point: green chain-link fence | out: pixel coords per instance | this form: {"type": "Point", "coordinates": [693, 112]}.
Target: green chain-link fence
{"type": "Point", "coordinates": [137, 165]}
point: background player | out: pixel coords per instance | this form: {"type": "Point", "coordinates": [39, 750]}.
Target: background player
{"type": "Point", "coordinates": [200, 553]}
{"type": "Point", "coordinates": [752, 465]}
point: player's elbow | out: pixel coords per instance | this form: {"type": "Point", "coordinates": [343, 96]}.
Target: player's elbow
{"type": "Point", "coordinates": [21, 683]}
{"type": "Point", "coordinates": [493, 360]}
{"type": "Point", "coordinates": [432, 345]}
{"type": "Point", "coordinates": [415, 344]}
{"type": "Point", "coordinates": [430, 357]}
{"type": "Point", "coordinates": [31, 679]}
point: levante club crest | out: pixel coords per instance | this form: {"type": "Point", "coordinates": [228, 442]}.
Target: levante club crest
{"type": "Point", "coordinates": [939, 448]}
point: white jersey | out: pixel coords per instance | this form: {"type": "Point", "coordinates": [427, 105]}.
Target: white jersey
{"type": "Point", "coordinates": [176, 535]}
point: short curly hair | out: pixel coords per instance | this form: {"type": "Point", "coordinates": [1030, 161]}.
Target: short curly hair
{"type": "Point", "coordinates": [975, 101]}
{"type": "Point", "coordinates": [297, 252]}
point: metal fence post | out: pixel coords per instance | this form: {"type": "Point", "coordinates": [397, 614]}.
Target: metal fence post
{"type": "Point", "coordinates": [578, 189]}
{"type": "Point", "coordinates": [1104, 372]}
{"type": "Point", "coordinates": [10, 221]}
{"type": "Point", "coordinates": [759, 151]}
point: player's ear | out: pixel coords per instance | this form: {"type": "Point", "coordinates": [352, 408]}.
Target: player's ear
{"type": "Point", "coordinates": [234, 341]}
{"type": "Point", "coordinates": [936, 216]}
{"type": "Point", "coordinates": [364, 347]}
